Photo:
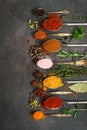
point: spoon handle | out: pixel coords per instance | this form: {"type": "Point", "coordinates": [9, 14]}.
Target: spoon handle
{"type": "Point", "coordinates": [77, 63]}
{"type": "Point", "coordinates": [60, 12]}
{"type": "Point", "coordinates": [85, 81]}
{"type": "Point", "coordinates": [60, 115]}
{"type": "Point", "coordinates": [75, 24]}
{"type": "Point", "coordinates": [62, 34]}
{"type": "Point", "coordinates": [76, 102]}
{"type": "Point", "coordinates": [62, 92]}
{"type": "Point", "coordinates": [73, 45]}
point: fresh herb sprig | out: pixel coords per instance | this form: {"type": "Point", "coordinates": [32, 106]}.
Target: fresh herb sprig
{"type": "Point", "coordinates": [74, 111]}
{"type": "Point", "coordinates": [78, 33]}
{"type": "Point", "coordinates": [73, 17]}
{"type": "Point", "coordinates": [74, 55]}
{"type": "Point", "coordinates": [69, 71]}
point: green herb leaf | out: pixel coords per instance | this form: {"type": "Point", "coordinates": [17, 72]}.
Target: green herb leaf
{"type": "Point", "coordinates": [80, 88]}
{"type": "Point", "coordinates": [82, 30]}
{"type": "Point", "coordinates": [62, 54]}
{"type": "Point", "coordinates": [78, 33]}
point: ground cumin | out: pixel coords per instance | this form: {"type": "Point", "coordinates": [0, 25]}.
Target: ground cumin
{"type": "Point", "coordinates": [52, 45]}
{"type": "Point", "coordinates": [38, 115]}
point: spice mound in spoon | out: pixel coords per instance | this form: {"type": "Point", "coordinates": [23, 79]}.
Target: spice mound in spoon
{"type": "Point", "coordinates": [52, 82]}
{"type": "Point", "coordinates": [52, 23]}
{"type": "Point", "coordinates": [52, 103]}
{"type": "Point", "coordinates": [39, 11]}
{"type": "Point", "coordinates": [40, 34]}
{"type": "Point", "coordinates": [45, 63]}
{"type": "Point", "coordinates": [52, 45]}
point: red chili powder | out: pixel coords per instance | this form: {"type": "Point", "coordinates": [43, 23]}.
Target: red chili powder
{"type": "Point", "coordinates": [52, 24]}
{"type": "Point", "coordinates": [52, 102]}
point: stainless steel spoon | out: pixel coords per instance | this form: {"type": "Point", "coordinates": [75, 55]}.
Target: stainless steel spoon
{"type": "Point", "coordinates": [41, 12]}
{"type": "Point", "coordinates": [78, 63]}
{"type": "Point", "coordinates": [59, 115]}
{"type": "Point", "coordinates": [63, 34]}
{"type": "Point", "coordinates": [60, 12]}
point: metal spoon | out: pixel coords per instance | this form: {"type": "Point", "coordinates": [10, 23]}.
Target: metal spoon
{"type": "Point", "coordinates": [64, 34]}
{"type": "Point", "coordinates": [75, 24]}
{"type": "Point", "coordinates": [60, 115]}
{"type": "Point", "coordinates": [41, 12]}
{"type": "Point", "coordinates": [60, 12]}
{"type": "Point", "coordinates": [78, 63]}
{"type": "Point", "coordinates": [62, 102]}
{"type": "Point", "coordinates": [68, 92]}
{"type": "Point", "coordinates": [75, 102]}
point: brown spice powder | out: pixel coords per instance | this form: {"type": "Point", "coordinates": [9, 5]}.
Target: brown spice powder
{"type": "Point", "coordinates": [52, 45]}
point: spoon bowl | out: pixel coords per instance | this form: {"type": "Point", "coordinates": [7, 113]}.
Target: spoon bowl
{"type": "Point", "coordinates": [52, 103]}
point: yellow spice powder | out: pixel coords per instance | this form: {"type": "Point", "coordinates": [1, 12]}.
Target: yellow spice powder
{"type": "Point", "coordinates": [38, 115]}
{"type": "Point", "coordinates": [53, 82]}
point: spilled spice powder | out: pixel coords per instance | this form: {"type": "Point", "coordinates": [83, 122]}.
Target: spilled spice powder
{"type": "Point", "coordinates": [40, 34]}
{"type": "Point", "coordinates": [38, 115]}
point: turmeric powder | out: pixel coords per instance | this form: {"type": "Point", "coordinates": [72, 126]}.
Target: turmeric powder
{"type": "Point", "coordinates": [53, 82]}
{"type": "Point", "coordinates": [38, 115]}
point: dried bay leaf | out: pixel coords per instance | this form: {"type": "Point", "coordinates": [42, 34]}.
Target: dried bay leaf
{"type": "Point", "coordinates": [79, 88]}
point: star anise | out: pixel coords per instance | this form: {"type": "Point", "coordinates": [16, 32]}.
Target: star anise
{"type": "Point", "coordinates": [34, 83]}
{"type": "Point", "coordinates": [37, 74]}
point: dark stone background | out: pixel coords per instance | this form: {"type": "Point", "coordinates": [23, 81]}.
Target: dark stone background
{"type": "Point", "coordinates": [16, 66]}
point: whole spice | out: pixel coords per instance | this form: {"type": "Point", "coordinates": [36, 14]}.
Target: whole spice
{"type": "Point", "coordinates": [52, 103]}
{"type": "Point", "coordinates": [38, 115]}
{"type": "Point", "coordinates": [39, 12]}
{"type": "Point", "coordinates": [40, 34]}
{"type": "Point", "coordinates": [34, 83]}
{"type": "Point", "coordinates": [52, 24]}
{"type": "Point", "coordinates": [52, 45]}
{"type": "Point", "coordinates": [34, 103]}
{"type": "Point", "coordinates": [37, 74]}
{"type": "Point", "coordinates": [40, 92]}
{"type": "Point", "coordinates": [32, 24]}
{"type": "Point", "coordinates": [52, 82]}
{"type": "Point", "coordinates": [36, 52]}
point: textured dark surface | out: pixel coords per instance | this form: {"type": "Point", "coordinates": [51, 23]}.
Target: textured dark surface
{"type": "Point", "coordinates": [16, 65]}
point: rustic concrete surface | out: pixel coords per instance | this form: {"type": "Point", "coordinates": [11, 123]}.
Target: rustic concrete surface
{"type": "Point", "coordinates": [16, 66]}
